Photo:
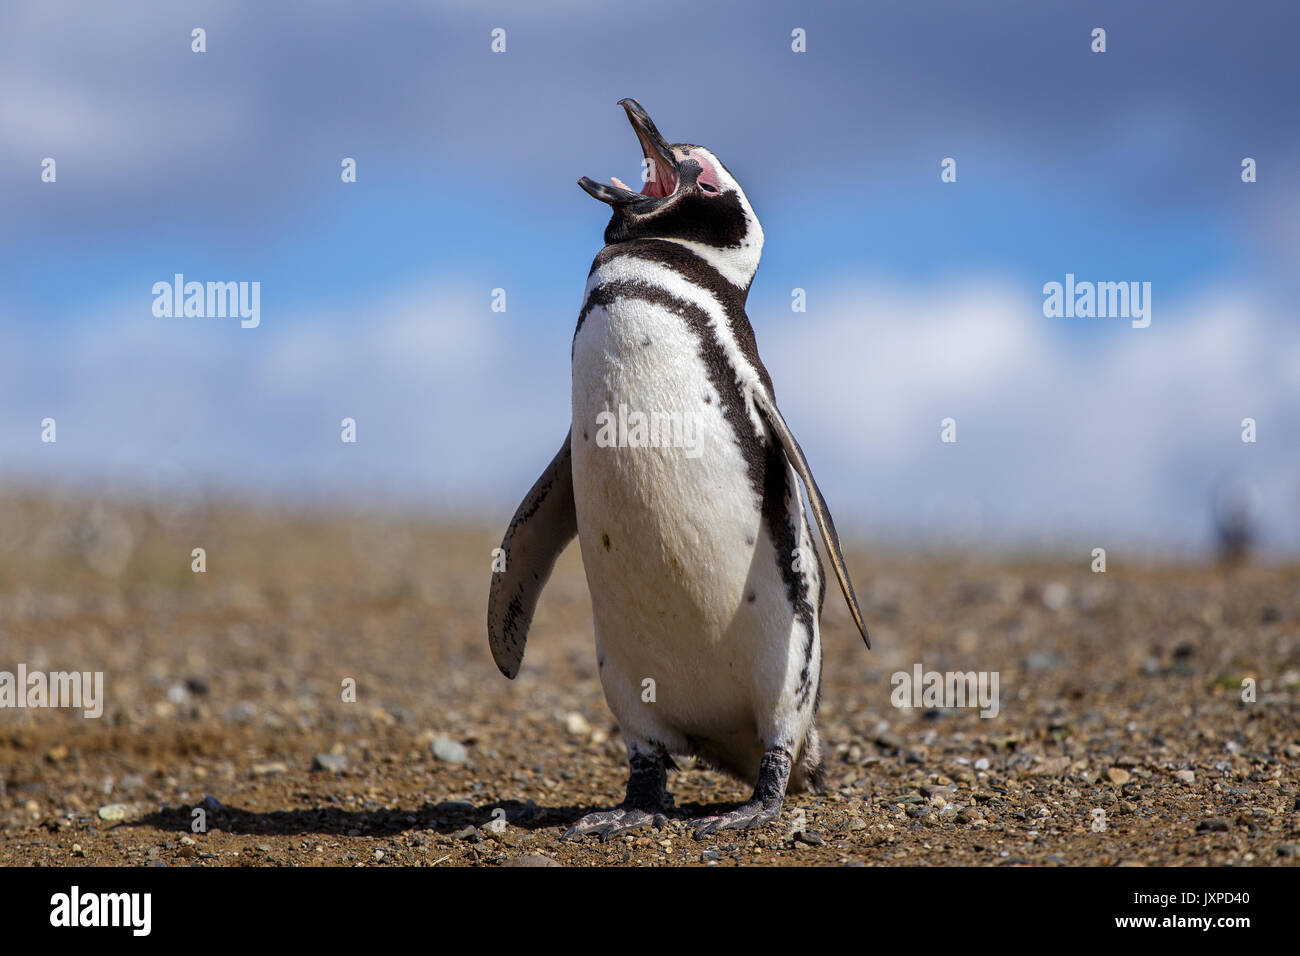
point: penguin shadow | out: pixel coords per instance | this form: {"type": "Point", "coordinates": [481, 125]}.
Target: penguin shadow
{"type": "Point", "coordinates": [447, 818]}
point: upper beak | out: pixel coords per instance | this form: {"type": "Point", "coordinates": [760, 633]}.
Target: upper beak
{"type": "Point", "coordinates": [663, 165]}
{"type": "Point", "coordinates": [655, 148]}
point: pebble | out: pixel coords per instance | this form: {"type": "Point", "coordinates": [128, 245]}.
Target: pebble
{"type": "Point", "coordinates": [810, 837]}
{"type": "Point", "coordinates": [496, 826]}
{"type": "Point", "coordinates": [982, 763]}
{"type": "Point", "coordinates": [1051, 767]}
{"type": "Point", "coordinates": [532, 859]}
{"type": "Point", "coordinates": [1186, 776]}
{"type": "Point", "coordinates": [448, 750]}
{"type": "Point", "coordinates": [270, 769]}
{"type": "Point", "coordinates": [1055, 596]}
{"type": "Point", "coordinates": [1118, 776]}
{"type": "Point", "coordinates": [890, 741]}
{"type": "Point", "coordinates": [575, 725]}
{"type": "Point", "coordinates": [469, 833]}
{"type": "Point", "coordinates": [211, 803]}
{"type": "Point", "coordinates": [335, 763]}
{"type": "Point", "coordinates": [710, 856]}
{"type": "Point", "coordinates": [113, 811]}
{"type": "Point", "coordinates": [1213, 825]}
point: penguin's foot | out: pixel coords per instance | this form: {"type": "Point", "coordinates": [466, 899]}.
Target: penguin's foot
{"type": "Point", "coordinates": [745, 817]}
{"type": "Point", "coordinates": [608, 824]}
{"type": "Point", "coordinates": [647, 802]}
{"type": "Point", "coordinates": [764, 806]}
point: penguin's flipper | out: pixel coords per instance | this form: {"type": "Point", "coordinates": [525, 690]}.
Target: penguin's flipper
{"type": "Point", "coordinates": [772, 415]}
{"type": "Point", "coordinates": [542, 527]}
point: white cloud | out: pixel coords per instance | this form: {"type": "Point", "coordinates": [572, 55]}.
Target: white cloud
{"type": "Point", "coordinates": [1114, 438]}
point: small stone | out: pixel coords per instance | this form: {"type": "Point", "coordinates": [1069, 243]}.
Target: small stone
{"type": "Point", "coordinates": [575, 725]}
{"type": "Point", "coordinates": [334, 763]}
{"type": "Point", "coordinates": [1051, 767]}
{"type": "Point", "coordinates": [448, 750]}
{"type": "Point", "coordinates": [856, 824]}
{"type": "Point", "coordinates": [113, 811]}
{"type": "Point", "coordinates": [78, 851]}
{"type": "Point", "coordinates": [469, 833]}
{"type": "Point", "coordinates": [187, 852]}
{"type": "Point", "coordinates": [379, 856]}
{"type": "Point", "coordinates": [710, 856]}
{"type": "Point", "coordinates": [1186, 776]}
{"type": "Point", "coordinates": [1288, 849]}
{"type": "Point", "coordinates": [1055, 595]}
{"type": "Point", "coordinates": [810, 837]}
{"type": "Point", "coordinates": [982, 763]}
{"type": "Point", "coordinates": [1118, 777]}
{"type": "Point", "coordinates": [532, 859]}
{"type": "Point", "coordinates": [496, 826]}
{"type": "Point", "coordinates": [188, 841]}
{"type": "Point", "coordinates": [211, 803]}
{"type": "Point", "coordinates": [889, 741]}
{"type": "Point", "coordinates": [271, 769]}
{"type": "Point", "coordinates": [1213, 825]}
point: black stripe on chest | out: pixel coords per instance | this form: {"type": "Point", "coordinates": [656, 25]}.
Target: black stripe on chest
{"type": "Point", "coordinates": [722, 374]}
{"type": "Point", "coordinates": [696, 270]}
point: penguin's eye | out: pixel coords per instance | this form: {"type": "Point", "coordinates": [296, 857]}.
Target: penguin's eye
{"type": "Point", "coordinates": [707, 188]}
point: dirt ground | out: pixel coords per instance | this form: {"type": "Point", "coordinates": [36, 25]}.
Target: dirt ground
{"type": "Point", "coordinates": [1122, 736]}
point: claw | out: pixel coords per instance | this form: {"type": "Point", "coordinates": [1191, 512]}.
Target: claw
{"type": "Point", "coordinates": [608, 824]}
{"type": "Point", "coordinates": [745, 817]}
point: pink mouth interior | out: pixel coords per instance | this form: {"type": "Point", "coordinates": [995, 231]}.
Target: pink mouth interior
{"type": "Point", "coordinates": [663, 181]}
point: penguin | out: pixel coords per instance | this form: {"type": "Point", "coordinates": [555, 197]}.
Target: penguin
{"type": "Point", "coordinates": [678, 478]}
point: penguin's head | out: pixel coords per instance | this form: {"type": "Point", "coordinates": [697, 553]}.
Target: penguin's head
{"type": "Point", "coordinates": [688, 196]}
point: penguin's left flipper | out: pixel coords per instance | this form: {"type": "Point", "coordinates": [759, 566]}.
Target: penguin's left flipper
{"type": "Point", "coordinates": [543, 525]}
{"type": "Point", "coordinates": [772, 415]}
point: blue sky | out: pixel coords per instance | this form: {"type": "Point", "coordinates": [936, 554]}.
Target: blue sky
{"type": "Point", "coordinates": [924, 298]}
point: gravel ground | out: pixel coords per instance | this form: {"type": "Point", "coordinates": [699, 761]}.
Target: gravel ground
{"type": "Point", "coordinates": [1122, 736]}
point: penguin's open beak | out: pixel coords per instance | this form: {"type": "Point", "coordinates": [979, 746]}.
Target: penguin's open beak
{"type": "Point", "coordinates": [661, 165]}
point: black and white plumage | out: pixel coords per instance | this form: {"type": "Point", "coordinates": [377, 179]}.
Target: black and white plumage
{"type": "Point", "coordinates": [706, 585]}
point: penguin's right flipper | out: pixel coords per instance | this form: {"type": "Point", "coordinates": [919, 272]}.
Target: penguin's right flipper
{"type": "Point", "coordinates": [772, 415]}
{"type": "Point", "coordinates": [542, 527]}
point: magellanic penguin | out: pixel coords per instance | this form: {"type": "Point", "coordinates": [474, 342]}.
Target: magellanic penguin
{"type": "Point", "coordinates": [677, 475]}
